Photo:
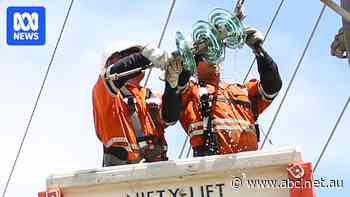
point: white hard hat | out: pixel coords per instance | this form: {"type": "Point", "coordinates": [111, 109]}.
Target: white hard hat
{"type": "Point", "coordinates": [117, 46]}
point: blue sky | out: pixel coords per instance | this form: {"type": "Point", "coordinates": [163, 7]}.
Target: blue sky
{"type": "Point", "coordinates": [62, 132]}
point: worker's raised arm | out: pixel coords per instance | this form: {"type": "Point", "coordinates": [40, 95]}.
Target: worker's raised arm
{"type": "Point", "coordinates": [270, 79]}
{"type": "Point", "coordinates": [110, 74]}
{"type": "Point", "coordinates": [172, 102]}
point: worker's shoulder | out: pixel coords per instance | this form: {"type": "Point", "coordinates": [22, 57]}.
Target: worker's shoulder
{"type": "Point", "coordinates": [229, 85]}
{"type": "Point", "coordinates": [101, 90]}
{"type": "Point", "coordinates": [240, 88]}
{"type": "Point", "coordinates": [244, 85]}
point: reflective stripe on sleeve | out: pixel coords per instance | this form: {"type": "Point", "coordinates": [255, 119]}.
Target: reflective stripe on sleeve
{"type": "Point", "coordinates": [266, 96]}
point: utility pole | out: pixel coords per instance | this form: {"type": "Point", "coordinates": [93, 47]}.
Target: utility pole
{"type": "Point", "coordinates": [344, 11]}
{"type": "Point", "coordinates": [341, 10]}
{"type": "Point", "coordinates": [346, 26]}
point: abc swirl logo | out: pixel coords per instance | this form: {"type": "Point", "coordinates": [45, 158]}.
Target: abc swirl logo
{"type": "Point", "coordinates": [26, 26]}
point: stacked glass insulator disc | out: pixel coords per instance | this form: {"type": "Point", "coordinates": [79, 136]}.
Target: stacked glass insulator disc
{"type": "Point", "coordinates": [210, 38]}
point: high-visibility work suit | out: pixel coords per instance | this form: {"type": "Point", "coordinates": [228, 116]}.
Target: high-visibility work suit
{"type": "Point", "coordinates": [232, 116]}
{"type": "Point", "coordinates": [113, 123]}
{"type": "Point", "coordinates": [127, 118]}
{"type": "Point", "coordinates": [220, 118]}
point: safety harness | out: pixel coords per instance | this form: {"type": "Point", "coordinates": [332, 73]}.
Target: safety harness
{"type": "Point", "coordinates": [147, 150]}
{"type": "Point", "coordinates": [207, 102]}
{"type": "Point", "coordinates": [211, 143]}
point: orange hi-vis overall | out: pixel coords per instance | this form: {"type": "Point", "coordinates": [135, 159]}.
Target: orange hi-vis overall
{"type": "Point", "coordinates": [232, 115]}
{"type": "Point", "coordinates": [113, 124]}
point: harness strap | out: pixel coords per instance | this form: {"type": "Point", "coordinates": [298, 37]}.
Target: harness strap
{"type": "Point", "coordinates": [134, 116]}
{"type": "Point", "coordinates": [206, 104]}
{"type": "Point", "coordinates": [153, 109]}
{"type": "Point", "coordinates": [160, 148]}
{"type": "Point", "coordinates": [141, 138]}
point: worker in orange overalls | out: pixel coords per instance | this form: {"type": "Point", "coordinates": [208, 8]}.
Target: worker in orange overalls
{"type": "Point", "coordinates": [127, 116]}
{"type": "Point", "coordinates": [220, 117]}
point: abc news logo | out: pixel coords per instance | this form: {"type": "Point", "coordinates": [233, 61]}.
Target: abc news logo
{"type": "Point", "coordinates": [26, 26]}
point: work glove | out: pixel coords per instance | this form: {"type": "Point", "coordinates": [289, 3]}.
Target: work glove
{"type": "Point", "coordinates": [171, 64]}
{"type": "Point", "coordinates": [255, 38]}
{"type": "Point", "coordinates": [158, 57]}
{"type": "Point", "coordinates": [173, 70]}
{"type": "Point", "coordinates": [338, 46]}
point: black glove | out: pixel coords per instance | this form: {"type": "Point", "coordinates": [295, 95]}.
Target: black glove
{"type": "Point", "coordinates": [254, 39]}
{"type": "Point", "coordinates": [128, 63]}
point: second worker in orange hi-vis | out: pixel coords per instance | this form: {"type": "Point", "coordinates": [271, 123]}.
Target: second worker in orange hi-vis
{"type": "Point", "coordinates": [219, 117]}
{"type": "Point", "coordinates": [127, 116]}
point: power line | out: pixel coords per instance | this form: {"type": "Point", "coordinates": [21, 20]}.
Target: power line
{"type": "Point", "coordinates": [266, 34]}
{"type": "Point", "coordinates": [294, 73]}
{"type": "Point", "coordinates": [235, 61]}
{"type": "Point", "coordinates": [183, 148]}
{"type": "Point", "coordinates": [332, 134]}
{"type": "Point", "coordinates": [150, 71]}
{"type": "Point", "coordinates": [188, 151]}
{"type": "Point", "coordinates": [162, 36]}
{"type": "Point", "coordinates": [262, 132]}
{"type": "Point", "coordinates": [37, 99]}
{"type": "Point", "coordinates": [265, 37]}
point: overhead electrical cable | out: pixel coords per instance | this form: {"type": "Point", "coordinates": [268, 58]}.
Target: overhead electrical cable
{"type": "Point", "coordinates": [37, 99]}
